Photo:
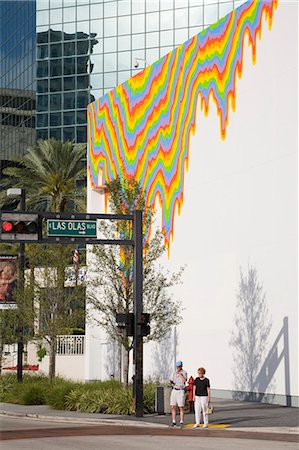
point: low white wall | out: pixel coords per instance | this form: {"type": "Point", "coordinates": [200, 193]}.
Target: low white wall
{"type": "Point", "coordinates": [67, 366]}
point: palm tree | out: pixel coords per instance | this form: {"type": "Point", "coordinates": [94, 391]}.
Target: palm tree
{"type": "Point", "coordinates": [49, 173]}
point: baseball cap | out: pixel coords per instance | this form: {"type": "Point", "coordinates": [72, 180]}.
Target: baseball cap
{"type": "Point", "coordinates": [179, 363]}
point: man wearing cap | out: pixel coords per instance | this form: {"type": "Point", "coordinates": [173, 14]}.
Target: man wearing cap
{"type": "Point", "coordinates": [177, 397]}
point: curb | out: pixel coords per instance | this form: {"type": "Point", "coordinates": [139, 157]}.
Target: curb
{"type": "Point", "coordinates": [79, 420]}
{"type": "Point", "coordinates": [282, 430]}
{"type": "Point", "coordinates": [132, 423]}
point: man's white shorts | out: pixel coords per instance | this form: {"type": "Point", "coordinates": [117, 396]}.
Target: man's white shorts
{"type": "Point", "coordinates": [177, 397]}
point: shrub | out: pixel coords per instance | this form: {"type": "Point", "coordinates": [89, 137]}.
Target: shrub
{"type": "Point", "coordinates": [149, 394]}
{"type": "Point", "coordinates": [33, 395]}
{"type": "Point", "coordinates": [58, 392]}
{"type": "Point", "coordinates": [108, 397]}
{"type": "Point", "coordinates": [92, 401]}
{"type": "Point", "coordinates": [7, 383]}
{"type": "Point", "coordinates": [121, 402]}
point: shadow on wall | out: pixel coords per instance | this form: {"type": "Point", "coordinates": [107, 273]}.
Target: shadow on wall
{"type": "Point", "coordinates": [254, 366]}
{"type": "Point", "coordinates": [271, 364]}
{"type": "Point", "coordinates": [252, 328]}
{"type": "Point", "coordinates": [112, 360]}
{"type": "Point", "coordinates": [163, 356]}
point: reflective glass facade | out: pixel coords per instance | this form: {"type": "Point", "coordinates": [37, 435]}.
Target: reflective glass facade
{"type": "Point", "coordinates": [17, 77]}
{"type": "Point", "coordinates": [87, 47]}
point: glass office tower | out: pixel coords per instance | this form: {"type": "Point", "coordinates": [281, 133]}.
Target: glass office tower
{"type": "Point", "coordinates": [17, 78]}
{"type": "Point", "coordinates": [87, 47]}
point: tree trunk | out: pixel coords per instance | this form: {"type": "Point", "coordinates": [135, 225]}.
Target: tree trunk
{"type": "Point", "coordinates": [126, 368]}
{"type": "Point", "coordinates": [52, 358]}
{"type": "Point", "coordinates": [1, 355]}
{"type": "Point", "coordinates": [119, 362]}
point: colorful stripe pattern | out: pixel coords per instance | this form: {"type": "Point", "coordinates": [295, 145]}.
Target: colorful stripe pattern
{"type": "Point", "coordinates": [142, 128]}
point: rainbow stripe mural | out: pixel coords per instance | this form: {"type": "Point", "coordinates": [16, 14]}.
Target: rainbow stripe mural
{"type": "Point", "coordinates": [142, 128]}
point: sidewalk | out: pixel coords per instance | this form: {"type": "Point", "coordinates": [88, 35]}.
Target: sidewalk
{"type": "Point", "coordinates": [229, 415]}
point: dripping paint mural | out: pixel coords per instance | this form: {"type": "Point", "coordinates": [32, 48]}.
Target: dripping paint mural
{"type": "Point", "coordinates": [211, 131]}
{"type": "Point", "coordinates": [142, 128]}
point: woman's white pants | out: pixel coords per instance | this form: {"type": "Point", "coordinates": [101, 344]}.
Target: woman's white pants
{"type": "Point", "coordinates": [200, 405]}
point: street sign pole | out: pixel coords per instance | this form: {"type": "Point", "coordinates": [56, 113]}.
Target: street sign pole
{"type": "Point", "coordinates": [21, 291]}
{"type": "Point", "coordinates": [138, 300]}
{"type": "Point", "coordinates": [82, 228]}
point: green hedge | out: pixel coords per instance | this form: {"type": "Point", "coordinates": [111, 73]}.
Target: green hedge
{"type": "Point", "coordinates": [109, 397]}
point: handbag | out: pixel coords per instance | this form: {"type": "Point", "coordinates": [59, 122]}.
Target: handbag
{"type": "Point", "coordinates": [210, 410]}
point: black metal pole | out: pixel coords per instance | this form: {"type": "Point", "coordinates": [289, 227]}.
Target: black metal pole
{"type": "Point", "coordinates": [138, 289]}
{"type": "Point", "coordinates": [21, 290]}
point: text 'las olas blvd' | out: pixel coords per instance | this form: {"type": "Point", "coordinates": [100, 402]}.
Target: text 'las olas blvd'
{"type": "Point", "coordinates": [56, 227]}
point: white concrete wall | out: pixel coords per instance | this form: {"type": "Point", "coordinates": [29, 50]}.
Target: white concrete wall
{"type": "Point", "coordinates": [241, 208]}
{"type": "Point", "coordinates": [95, 339]}
{"type": "Point", "coordinates": [67, 366]}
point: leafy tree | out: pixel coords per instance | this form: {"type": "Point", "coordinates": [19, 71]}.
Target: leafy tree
{"type": "Point", "coordinates": [112, 285]}
{"type": "Point", "coordinates": [57, 307]}
{"type": "Point", "coordinates": [15, 321]}
{"type": "Point", "coordinates": [7, 330]}
{"type": "Point", "coordinates": [53, 176]}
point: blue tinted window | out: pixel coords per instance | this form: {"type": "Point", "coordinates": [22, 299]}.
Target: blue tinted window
{"type": "Point", "coordinates": [55, 102]}
{"type": "Point", "coordinates": [69, 66]}
{"type": "Point", "coordinates": [69, 118]}
{"type": "Point", "coordinates": [55, 84]}
{"type": "Point", "coordinates": [69, 100]}
{"type": "Point", "coordinates": [69, 83]}
{"type": "Point", "coordinates": [69, 133]}
{"type": "Point", "coordinates": [42, 69]}
{"type": "Point", "coordinates": [42, 103]}
{"type": "Point", "coordinates": [55, 119]}
{"type": "Point", "coordinates": [55, 68]}
{"type": "Point", "coordinates": [55, 133]}
{"type": "Point", "coordinates": [82, 99]}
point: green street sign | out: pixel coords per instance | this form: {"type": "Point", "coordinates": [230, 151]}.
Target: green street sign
{"type": "Point", "coordinates": [72, 228]}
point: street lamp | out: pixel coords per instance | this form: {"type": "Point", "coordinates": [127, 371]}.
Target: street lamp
{"type": "Point", "coordinates": [136, 62]}
{"type": "Point", "coordinates": [17, 192]}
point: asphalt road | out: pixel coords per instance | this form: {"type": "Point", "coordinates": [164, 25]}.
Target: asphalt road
{"type": "Point", "coordinates": [142, 443]}
{"type": "Point", "coordinates": [36, 434]}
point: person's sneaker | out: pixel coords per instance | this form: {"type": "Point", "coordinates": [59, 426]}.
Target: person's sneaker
{"type": "Point", "coordinates": [181, 425]}
{"type": "Point", "coordinates": [205, 426]}
{"type": "Point", "coordinates": [172, 425]}
{"type": "Point", "coordinates": [195, 426]}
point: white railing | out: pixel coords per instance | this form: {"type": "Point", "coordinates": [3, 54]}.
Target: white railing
{"type": "Point", "coordinates": [70, 345]}
{"type": "Point", "coordinates": [9, 349]}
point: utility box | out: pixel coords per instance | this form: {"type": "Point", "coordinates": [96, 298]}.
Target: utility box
{"type": "Point", "coordinates": [162, 401]}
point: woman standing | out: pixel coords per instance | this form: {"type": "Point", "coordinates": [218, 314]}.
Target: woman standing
{"type": "Point", "coordinates": [201, 393]}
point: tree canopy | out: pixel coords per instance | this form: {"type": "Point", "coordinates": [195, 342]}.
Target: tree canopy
{"type": "Point", "coordinates": [111, 287]}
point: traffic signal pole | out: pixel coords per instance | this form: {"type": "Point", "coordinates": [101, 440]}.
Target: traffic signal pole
{"type": "Point", "coordinates": [138, 289]}
{"type": "Point", "coordinates": [21, 291]}
{"type": "Point", "coordinates": [14, 227]}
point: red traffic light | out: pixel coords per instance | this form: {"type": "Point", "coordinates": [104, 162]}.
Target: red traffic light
{"type": "Point", "coordinates": [19, 226]}
{"type": "Point", "coordinates": [7, 226]}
